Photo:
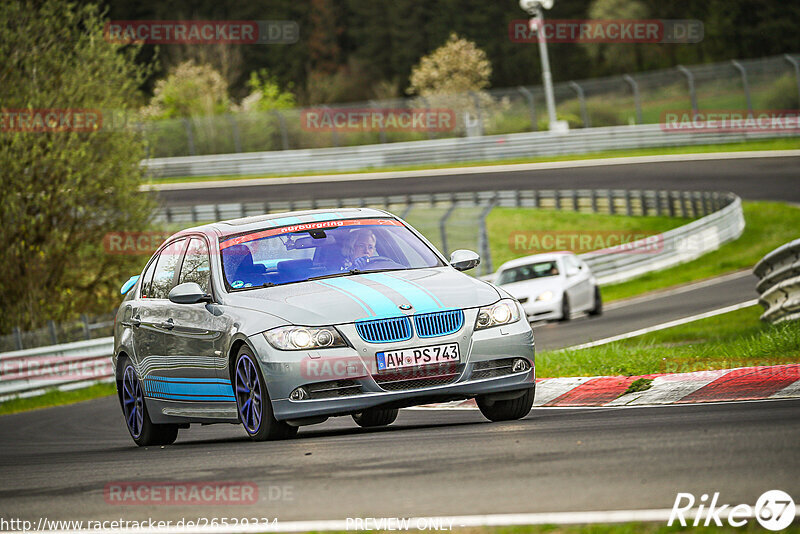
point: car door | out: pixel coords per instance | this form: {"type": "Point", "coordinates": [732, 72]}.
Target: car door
{"type": "Point", "coordinates": [580, 287]}
{"type": "Point", "coordinates": [159, 375]}
{"type": "Point", "coordinates": [148, 343]}
{"type": "Point", "coordinates": [196, 342]}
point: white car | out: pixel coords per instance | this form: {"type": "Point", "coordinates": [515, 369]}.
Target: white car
{"type": "Point", "coordinates": [551, 286]}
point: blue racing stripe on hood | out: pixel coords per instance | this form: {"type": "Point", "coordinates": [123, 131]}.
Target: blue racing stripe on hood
{"type": "Point", "coordinates": [358, 301]}
{"type": "Point", "coordinates": [382, 305]}
{"type": "Point", "coordinates": [417, 297]}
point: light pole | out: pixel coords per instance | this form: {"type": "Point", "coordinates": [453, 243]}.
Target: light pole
{"type": "Point", "coordinates": [534, 9]}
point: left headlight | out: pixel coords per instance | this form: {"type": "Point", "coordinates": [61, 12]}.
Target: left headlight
{"type": "Point", "coordinates": [503, 312]}
{"type": "Point", "coordinates": [304, 337]}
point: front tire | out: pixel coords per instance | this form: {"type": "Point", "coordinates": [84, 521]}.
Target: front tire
{"type": "Point", "coordinates": [506, 410]}
{"type": "Point", "coordinates": [565, 309]}
{"type": "Point", "coordinates": [375, 417]}
{"type": "Point", "coordinates": [134, 409]}
{"type": "Point", "coordinates": [598, 303]}
{"type": "Point", "coordinates": [252, 401]}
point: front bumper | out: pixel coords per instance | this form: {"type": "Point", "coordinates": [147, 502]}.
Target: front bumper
{"type": "Point", "coordinates": [543, 310]}
{"type": "Point", "coordinates": [286, 370]}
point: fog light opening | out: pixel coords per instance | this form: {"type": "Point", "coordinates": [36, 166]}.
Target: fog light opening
{"type": "Point", "coordinates": [520, 365]}
{"type": "Point", "coordinates": [298, 394]}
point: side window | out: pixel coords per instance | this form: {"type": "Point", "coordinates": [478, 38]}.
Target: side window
{"type": "Point", "coordinates": [164, 275]}
{"type": "Point", "coordinates": [147, 278]}
{"type": "Point", "coordinates": [196, 265]}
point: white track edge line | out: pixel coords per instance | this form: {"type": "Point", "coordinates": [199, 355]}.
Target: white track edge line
{"type": "Point", "coordinates": [662, 326]}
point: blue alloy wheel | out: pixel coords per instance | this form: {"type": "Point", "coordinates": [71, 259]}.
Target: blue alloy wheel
{"type": "Point", "coordinates": [132, 402]}
{"type": "Point", "coordinates": [248, 394]}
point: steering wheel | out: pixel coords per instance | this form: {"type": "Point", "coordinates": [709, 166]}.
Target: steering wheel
{"type": "Point", "coordinates": [358, 263]}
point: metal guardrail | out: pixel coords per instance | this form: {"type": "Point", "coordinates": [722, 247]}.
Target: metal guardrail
{"type": "Point", "coordinates": [454, 150]}
{"type": "Point", "coordinates": [718, 216]}
{"type": "Point", "coordinates": [34, 371]}
{"type": "Point", "coordinates": [779, 283]}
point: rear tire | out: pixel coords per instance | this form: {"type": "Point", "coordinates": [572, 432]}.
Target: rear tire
{"type": "Point", "coordinates": [375, 417]}
{"type": "Point", "coordinates": [507, 410]}
{"type": "Point", "coordinates": [598, 303]}
{"type": "Point", "coordinates": [565, 309]}
{"type": "Point", "coordinates": [252, 401]}
{"type": "Point", "coordinates": [134, 409]}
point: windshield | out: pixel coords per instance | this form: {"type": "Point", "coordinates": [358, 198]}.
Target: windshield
{"type": "Point", "coordinates": [527, 272]}
{"type": "Point", "coordinates": [276, 256]}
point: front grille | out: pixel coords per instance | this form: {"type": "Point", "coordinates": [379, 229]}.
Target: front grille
{"type": "Point", "coordinates": [333, 388]}
{"type": "Point", "coordinates": [439, 323]}
{"type": "Point", "coordinates": [415, 383]}
{"type": "Point", "coordinates": [492, 368]}
{"type": "Point", "coordinates": [384, 330]}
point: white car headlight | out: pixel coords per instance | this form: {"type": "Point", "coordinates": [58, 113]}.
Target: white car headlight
{"type": "Point", "coordinates": [503, 312]}
{"type": "Point", "coordinates": [304, 337]}
{"type": "Point", "coordinates": [547, 295]}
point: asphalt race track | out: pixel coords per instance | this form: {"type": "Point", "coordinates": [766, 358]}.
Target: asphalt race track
{"type": "Point", "coordinates": [58, 461]}
{"type": "Point", "coordinates": [776, 178]}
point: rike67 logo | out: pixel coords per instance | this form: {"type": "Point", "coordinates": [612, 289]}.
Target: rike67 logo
{"type": "Point", "coordinates": [774, 510]}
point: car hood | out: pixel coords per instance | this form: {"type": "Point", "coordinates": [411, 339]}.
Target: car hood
{"type": "Point", "coordinates": [346, 299]}
{"type": "Point", "coordinates": [533, 288]}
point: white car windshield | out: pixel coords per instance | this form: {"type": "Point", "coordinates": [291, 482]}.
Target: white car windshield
{"type": "Point", "coordinates": [276, 256]}
{"type": "Point", "coordinates": [527, 272]}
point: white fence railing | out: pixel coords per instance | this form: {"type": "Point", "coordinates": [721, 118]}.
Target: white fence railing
{"type": "Point", "coordinates": [453, 150]}
{"type": "Point", "coordinates": [779, 284]}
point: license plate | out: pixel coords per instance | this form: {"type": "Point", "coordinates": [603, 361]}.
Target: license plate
{"type": "Point", "coordinates": [414, 357]}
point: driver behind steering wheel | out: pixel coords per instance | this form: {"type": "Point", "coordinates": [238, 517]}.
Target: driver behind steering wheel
{"type": "Point", "coordinates": [361, 248]}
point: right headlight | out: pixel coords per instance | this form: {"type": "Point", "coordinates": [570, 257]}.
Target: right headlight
{"type": "Point", "coordinates": [500, 313]}
{"type": "Point", "coordinates": [304, 337]}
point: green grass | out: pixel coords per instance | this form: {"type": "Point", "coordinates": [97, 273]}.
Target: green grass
{"type": "Point", "coordinates": [771, 144]}
{"type": "Point", "coordinates": [735, 339]}
{"type": "Point", "coordinates": [768, 226]}
{"type": "Point", "coordinates": [504, 225]}
{"type": "Point", "coordinates": [56, 398]}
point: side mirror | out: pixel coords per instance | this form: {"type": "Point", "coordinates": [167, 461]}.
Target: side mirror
{"type": "Point", "coordinates": [464, 260]}
{"type": "Point", "coordinates": [188, 293]}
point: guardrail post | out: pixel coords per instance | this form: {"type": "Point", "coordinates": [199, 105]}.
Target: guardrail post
{"type": "Point", "coordinates": [443, 225]}
{"type": "Point", "coordinates": [738, 66]}
{"type": "Point", "coordinates": [237, 140]}
{"type": "Point", "coordinates": [637, 101]}
{"type": "Point", "coordinates": [796, 65]}
{"type": "Point", "coordinates": [692, 94]}
{"type": "Point", "coordinates": [194, 213]}
{"type": "Point", "coordinates": [51, 327]}
{"type": "Point", "coordinates": [628, 206]}
{"type": "Point", "coordinates": [575, 206]}
{"type": "Point", "coordinates": [671, 203]}
{"type": "Point", "coordinates": [17, 338]}
{"type": "Point", "coordinates": [657, 197]}
{"type": "Point", "coordinates": [684, 208]}
{"type": "Point", "coordinates": [695, 207]}
{"type": "Point", "coordinates": [582, 101]}
{"type": "Point", "coordinates": [86, 330]}
{"type": "Point", "coordinates": [611, 207]}
{"type": "Point", "coordinates": [382, 131]}
{"type": "Point", "coordinates": [643, 202]}
{"type": "Point", "coordinates": [531, 107]}
{"type": "Point", "coordinates": [557, 199]}
{"type": "Point", "coordinates": [284, 130]}
{"type": "Point", "coordinates": [594, 201]}
{"type": "Point", "coordinates": [407, 209]}
{"type": "Point", "coordinates": [483, 238]}
{"type": "Point", "coordinates": [478, 111]}
{"type": "Point", "coordinates": [537, 203]}
{"type": "Point", "coordinates": [189, 136]}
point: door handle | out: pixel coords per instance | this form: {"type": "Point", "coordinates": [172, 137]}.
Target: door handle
{"type": "Point", "coordinates": [135, 320]}
{"type": "Point", "coordinates": [168, 324]}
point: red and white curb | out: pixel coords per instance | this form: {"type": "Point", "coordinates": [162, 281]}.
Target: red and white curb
{"type": "Point", "coordinates": [744, 383]}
